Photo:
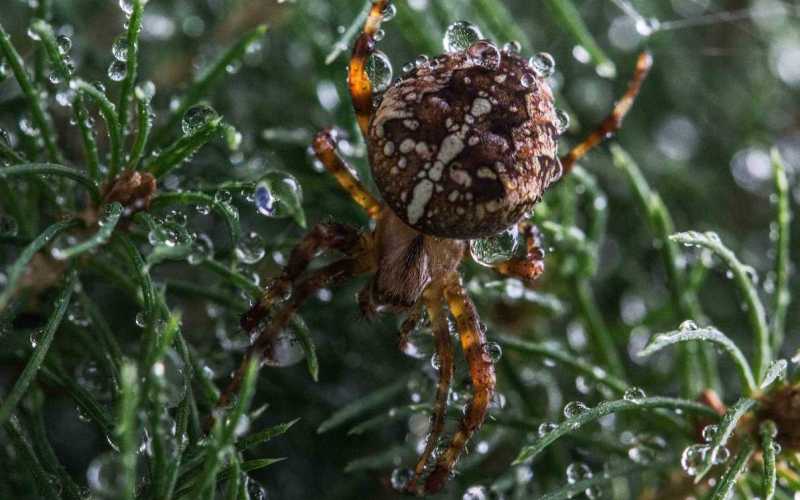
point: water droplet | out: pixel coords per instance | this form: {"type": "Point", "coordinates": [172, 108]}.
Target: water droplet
{"type": "Point", "coordinates": [196, 117]}
{"type": "Point", "coordinates": [512, 47]}
{"type": "Point", "coordinates": [278, 194]}
{"type": "Point", "coordinates": [477, 492]}
{"type": "Point", "coordinates": [77, 315]}
{"type": "Point", "coordinates": [459, 36]}
{"type": "Point", "coordinates": [284, 349]}
{"type": "Point", "coordinates": [498, 248]}
{"type": "Point", "coordinates": [693, 457]}
{"type": "Point", "coordinates": [55, 77]}
{"type": "Point", "coordinates": [202, 249]}
{"type": "Point", "coordinates": [526, 80]}
{"type": "Point", "coordinates": [119, 49]}
{"type": "Point", "coordinates": [389, 12]}
{"type": "Point", "coordinates": [36, 337]}
{"type": "Point", "coordinates": [203, 209]}
{"type": "Point", "coordinates": [117, 70]}
{"type": "Point", "coordinates": [720, 455]}
{"type": "Point", "coordinates": [709, 432]}
{"type": "Point", "coordinates": [64, 44]}
{"type": "Point", "coordinates": [562, 121]}
{"type": "Point", "coordinates": [176, 217]}
{"type": "Point", "coordinates": [401, 477]}
{"type": "Point", "coordinates": [435, 361]}
{"type": "Point", "coordinates": [8, 225]}
{"type": "Point", "coordinates": [140, 319]}
{"type": "Point", "coordinates": [542, 64]}
{"type": "Point", "coordinates": [578, 471]}
{"type": "Point", "coordinates": [145, 91]}
{"type": "Point", "coordinates": [126, 6]}
{"type": "Point", "coordinates": [379, 70]}
{"type": "Point", "coordinates": [33, 35]}
{"type": "Point", "coordinates": [575, 408]}
{"type": "Point", "coordinates": [251, 248]}
{"type": "Point", "coordinates": [688, 325]}
{"type": "Point", "coordinates": [379, 35]}
{"type": "Point", "coordinates": [634, 394]}
{"type": "Point", "coordinates": [105, 476]}
{"type": "Point", "coordinates": [492, 351]}
{"type": "Point", "coordinates": [546, 428]}
{"type": "Point", "coordinates": [485, 54]}
{"type": "Point", "coordinates": [421, 61]}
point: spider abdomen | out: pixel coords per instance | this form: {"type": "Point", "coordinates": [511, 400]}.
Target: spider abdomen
{"type": "Point", "coordinates": [466, 145]}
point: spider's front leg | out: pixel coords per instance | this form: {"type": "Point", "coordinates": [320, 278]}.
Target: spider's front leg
{"type": "Point", "coordinates": [323, 236]}
{"type": "Point", "coordinates": [437, 313]}
{"type": "Point", "coordinates": [357, 78]}
{"type": "Point", "coordinates": [530, 267]}
{"type": "Point", "coordinates": [481, 369]}
{"type": "Point", "coordinates": [613, 121]}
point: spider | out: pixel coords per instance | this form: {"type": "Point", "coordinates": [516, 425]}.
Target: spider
{"type": "Point", "coordinates": [462, 148]}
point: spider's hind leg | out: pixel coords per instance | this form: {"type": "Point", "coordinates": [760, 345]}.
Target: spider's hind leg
{"type": "Point", "coordinates": [481, 369]}
{"type": "Point", "coordinates": [613, 121]}
{"type": "Point", "coordinates": [357, 78]}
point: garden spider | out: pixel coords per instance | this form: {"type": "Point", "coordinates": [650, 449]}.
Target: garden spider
{"type": "Point", "coordinates": [462, 148]}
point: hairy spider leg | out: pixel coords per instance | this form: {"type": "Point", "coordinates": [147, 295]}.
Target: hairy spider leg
{"type": "Point", "coordinates": [331, 275]}
{"type": "Point", "coordinates": [357, 78]}
{"type": "Point", "coordinates": [530, 267]}
{"type": "Point", "coordinates": [325, 148]}
{"type": "Point", "coordinates": [323, 236]}
{"type": "Point", "coordinates": [613, 121]}
{"type": "Point", "coordinates": [433, 298]}
{"type": "Point", "coordinates": [414, 316]}
{"type": "Point", "coordinates": [481, 368]}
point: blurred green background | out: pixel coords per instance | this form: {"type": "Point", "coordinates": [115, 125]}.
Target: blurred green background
{"type": "Point", "coordinates": [725, 89]}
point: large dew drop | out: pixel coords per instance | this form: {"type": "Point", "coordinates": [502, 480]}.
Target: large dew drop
{"type": "Point", "coordinates": [460, 35]}
{"type": "Point", "coordinates": [498, 248]}
{"type": "Point", "coordinates": [117, 70]}
{"type": "Point", "coordinates": [197, 116]}
{"type": "Point", "coordinates": [251, 248]}
{"type": "Point", "coordinates": [543, 64]}
{"type": "Point", "coordinates": [120, 48]}
{"type": "Point", "coordinates": [285, 349]}
{"type": "Point", "coordinates": [379, 71]}
{"type": "Point", "coordinates": [279, 195]}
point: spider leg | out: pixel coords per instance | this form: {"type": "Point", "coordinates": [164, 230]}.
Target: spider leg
{"type": "Point", "coordinates": [409, 325]}
{"type": "Point", "coordinates": [330, 275]}
{"type": "Point", "coordinates": [325, 149]}
{"type": "Point", "coordinates": [357, 78]}
{"type": "Point", "coordinates": [482, 374]}
{"type": "Point", "coordinates": [433, 298]}
{"type": "Point", "coordinates": [323, 236]}
{"type": "Point", "coordinates": [613, 121]}
{"type": "Point", "coordinates": [531, 266]}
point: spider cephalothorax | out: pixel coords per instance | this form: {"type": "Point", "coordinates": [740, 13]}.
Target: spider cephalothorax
{"type": "Point", "coordinates": [466, 144]}
{"type": "Point", "coordinates": [461, 148]}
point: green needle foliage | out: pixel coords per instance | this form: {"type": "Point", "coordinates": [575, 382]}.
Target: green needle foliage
{"type": "Point", "coordinates": [155, 177]}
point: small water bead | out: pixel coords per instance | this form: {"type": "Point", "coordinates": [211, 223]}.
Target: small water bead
{"type": "Point", "coordinates": [512, 47]}
{"type": "Point", "coordinates": [693, 457]}
{"type": "Point", "coordinates": [176, 217]}
{"type": "Point", "coordinates": [126, 6]}
{"type": "Point", "coordinates": [223, 196]}
{"type": "Point", "coordinates": [720, 455]}
{"type": "Point", "coordinates": [546, 428]}
{"type": "Point", "coordinates": [8, 225]}
{"type": "Point", "coordinates": [562, 121]}
{"type": "Point", "coordinates": [526, 80]}
{"type": "Point", "coordinates": [140, 319]}
{"type": "Point", "coordinates": [575, 408]}
{"type": "Point", "coordinates": [421, 61]}
{"type": "Point", "coordinates": [105, 476]}
{"type": "Point", "coordinates": [634, 394]}
{"type": "Point", "coordinates": [255, 491]}
{"type": "Point", "coordinates": [202, 249]}
{"type": "Point", "coordinates": [543, 64]}
{"type": "Point", "coordinates": [492, 351]}
{"type": "Point", "coordinates": [578, 471]}
{"type": "Point", "coordinates": [117, 70]}
{"type": "Point", "coordinates": [379, 35]}
{"type": "Point", "coordinates": [119, 49]}
{"type": "Point", "coordinates": [33, 35]}
{"type": "Point", "coordinates": [196, 117]}
{"type": "Point", "coordinates": [498, 248]}
{"type": "Point", "coordinates": [279, 194]}
{"type": "Point", "coordinates": [459, 36]}
{"type": "Point", "coordinates": [485, 54]}
{"type": "Point", "coordinates": [77, 315]}
{"type": "Point", "coordinates": [436, 363]}
{"type": "Point", "coordinates": [251, 248]}
{"type": "Point", "coordinates": [64, 44]}
{"type": "Point", "coordinates": [202, 209]}
{"type": "Point", "coordinates": [27, 127]}
{"type": "Point", "coordinates": [401, 477]}
{"type": "Point", "coordinates": [409, 68]}
{"type": "Point", "coordinates": [477, 492]}
{"type": "Point", "coordinates": [379, 70]}
{"type": "Point", "coordinates": [36, 337]}
{"type": "Point", "coordinates": [389, 12]}
{"type": "Point", "coordinates": [709, 432]}
{"type": "Point", "coordinates": [688, 325]}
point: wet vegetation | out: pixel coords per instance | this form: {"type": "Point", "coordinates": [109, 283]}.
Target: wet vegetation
{"type": "Point", "coordinates": [154, 174]}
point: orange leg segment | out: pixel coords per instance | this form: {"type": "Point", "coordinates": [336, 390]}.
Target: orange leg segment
{"type": "Point", "coordinates": [325, 149]}
{"type": "Point", "coordinates": [531, 266]}
{"type": "Point", "coordinates": [481, 371]}
{"type": "Point", "coordinates": [613, 121]}
{"type": "Point", "coordinates": [357, 79]}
